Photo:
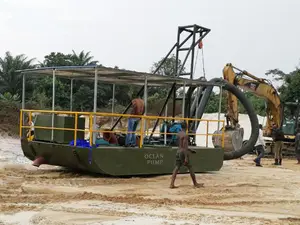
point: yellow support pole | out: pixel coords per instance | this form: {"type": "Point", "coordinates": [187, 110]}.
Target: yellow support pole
{"type": "Point", "coordinates": [145, 122]}
{"type": "Point", "coordinates": [147, 128]}
{"type": "Point", "coordinates": [91, 128]}
{"type": "Point", "coordinates": [207, 130]}
{"type": "Point", "coordinates": [141, 132]}
{"type": "Point", "coordinates": [30, 120]}
{"type": "Point", "coordinates": [75, 132]}
{"type": "Point", "coordinates": [223, 135]}
{"type": "Point", "coordinates": [21, 122]}
{"type": "Point", "coordinates": [187, 125]}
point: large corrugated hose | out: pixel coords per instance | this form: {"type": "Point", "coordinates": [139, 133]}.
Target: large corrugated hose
{"type": "Point", "coordinates": [249, 109]}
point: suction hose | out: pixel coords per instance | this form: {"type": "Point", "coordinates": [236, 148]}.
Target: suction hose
{"type": "Point", "coordinates": [249, 109]}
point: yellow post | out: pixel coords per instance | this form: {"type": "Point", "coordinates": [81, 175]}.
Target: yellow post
{"type": "Point", "coordinates": [75, 131]}
{"type": "Point", "coordinates": [207, 130]}
{"type": "Point", "coordinates": [141, 132]}
{"type": "Point", "coordinates": [223, 135]}
{"type": "Point", "coordinates": [91, 128]}
{"type": "Point", "coordinates": [187, 127]}
{"type": "Point", "coordinates": [21, 122]}
{"type": "Point", "coordinates": [147, 128]}
{"type": "Point", "coordinates": [30, 119]}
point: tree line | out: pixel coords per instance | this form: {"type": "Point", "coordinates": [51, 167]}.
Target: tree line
{"type": "Point", "coordinates": [39, 89]}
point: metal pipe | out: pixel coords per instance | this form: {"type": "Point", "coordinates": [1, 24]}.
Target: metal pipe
{"type": "Point", "coordinates": [220, 105]}
{"type": "Point", "coordinates": [183, 100]}
{"type": "Point", "coordinates": [95, 103]}
{"type": "Point", "coordinates": [162, 110]}
{"type": "Point", "coordinates": [193, 54]}
{"type": "Point", "coordinates": [207, 131]}
{"type": "Point", "coordinates": [185, 40]}
{"type": "Point", "coordinates": [199, 90]}
{"type": "Point", "coordinates": [146, 94]}
{"type": "Point", "coordinates": [157, 69]}
{"type": "Point", "coordinates": [113, 99]}
{"type": "Point", "coordinates": [177, 52]}
{"type": "Point", "coordinates": [165, 134]}
{"type": "Point", "coordinates": [53, 103]}
{"type": "Point", "coordinates": [71, 96]}
{"type": "Point", "coordinates": [174, 103]}
{"type": "Point", "coordinates": [22, 119]}
{"type": "Point", "coordinates": [145, 105]}
{"type": "Point", "coordinates": [113, 103]}
{"type": "Point", "coordinates": [124, 112]}
{"type": "Point", "coordinates": [163, 61]}
{"type": "Point", "coordinates": [188, 53]}
{"type": "Point", "coordinates": [23, 91]}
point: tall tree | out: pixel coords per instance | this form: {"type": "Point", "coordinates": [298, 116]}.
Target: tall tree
{"type": "Point", "coordinates": [57, 59]}
{"type": "Point", "coordinates": [169, 66]}
{"type": "Point", "coordinates": [167, 69]}
{"type": "Point", "coordinates": [289, 90]}
{"type": "Point", "coordinates": [82, 59]}
{"type": "Point", "coordinates": [10, 80]}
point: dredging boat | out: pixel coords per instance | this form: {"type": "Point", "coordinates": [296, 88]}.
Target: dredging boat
{"type": "Point", "coordinates": [71, 139]}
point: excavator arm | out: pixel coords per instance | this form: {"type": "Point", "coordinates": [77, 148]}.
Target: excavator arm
{"type": "Point", "coordinates": [261, 88]}
{"type": "Point", "coordinates": [232, 116]}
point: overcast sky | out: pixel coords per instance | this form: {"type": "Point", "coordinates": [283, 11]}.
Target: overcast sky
{"type": "Point", "coordinates": [255, 35]}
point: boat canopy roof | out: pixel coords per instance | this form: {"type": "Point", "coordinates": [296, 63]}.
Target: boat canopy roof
{"type": "Point", "coordinates": [113, 76]}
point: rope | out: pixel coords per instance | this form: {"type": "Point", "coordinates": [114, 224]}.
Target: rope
{"type": "Point", "coordinates": [203, 62]}
{"type": "Point", "coordinates": [195, 64]}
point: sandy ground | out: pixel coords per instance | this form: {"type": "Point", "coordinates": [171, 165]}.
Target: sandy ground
{"type": "Point", "coordinates": [238, 194]}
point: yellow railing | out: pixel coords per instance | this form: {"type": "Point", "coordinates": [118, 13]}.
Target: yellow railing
{"type": "Point", "coordinates": [145, 124]}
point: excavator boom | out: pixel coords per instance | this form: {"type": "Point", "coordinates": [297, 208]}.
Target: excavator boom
{"type": "Point", "coordinates": [259, 87]}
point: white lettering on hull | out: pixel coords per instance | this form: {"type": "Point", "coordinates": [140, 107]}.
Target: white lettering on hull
{"type": "Point", "coordinates": [154, 158]}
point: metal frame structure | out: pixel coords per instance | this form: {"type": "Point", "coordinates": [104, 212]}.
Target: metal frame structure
{"type": "Point", "coordinates": [108, 76]}
{"type": "Point", "coordinates": [114, 76]}
{"type": "Point", "coordinates": [192, 31]}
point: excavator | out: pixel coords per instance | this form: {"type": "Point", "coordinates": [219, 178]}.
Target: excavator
{"type": "Point", "coordinates": [285, 116]}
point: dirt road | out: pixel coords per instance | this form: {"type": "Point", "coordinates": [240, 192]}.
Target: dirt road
{"type": "Point", "coordinates": [238, 194]}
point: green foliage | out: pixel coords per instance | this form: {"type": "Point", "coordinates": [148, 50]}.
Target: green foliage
{"type": "Point", "coordinates": [213, 103]}
{"type": "Point", "coordinates": [8, 97]}
{"type": "Point", "coordinates": [39, 89]}
{"type": "Point", "coordinates": [259, 104]}
{"type": "Point", "coordinates": [40, 99]}
{"type": "Point", "coordinates": [57, 59]}
{"type": "Point", "coordinates": [82, 59]}
{"type": "Point", "coordinates": [167, 69]}
{"type": "Point", "coordinates": [10, 80]}
{"type": "Point", "coordinates": [289, 90]}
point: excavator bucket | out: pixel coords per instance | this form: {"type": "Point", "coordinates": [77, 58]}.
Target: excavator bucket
{"type": "Point", "coordinates": [233, 139]}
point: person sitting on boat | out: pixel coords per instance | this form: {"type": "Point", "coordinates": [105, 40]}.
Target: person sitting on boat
{"type": "Point", "coordinates": [110, 137]}
{"type": "Point", "coordinates": [138, 108]}
{"type": "Point", "coordinates": [30, 134]}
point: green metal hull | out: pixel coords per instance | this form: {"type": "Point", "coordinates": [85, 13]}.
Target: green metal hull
{"type": "Point", "coordinates": [121, 161]}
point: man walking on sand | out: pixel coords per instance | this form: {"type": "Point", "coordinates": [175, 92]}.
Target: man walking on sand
{"type": "Point", "coordinates": [297, 145]}
{"type": "Point", "coordinates": [182, 157]}
{"type": "Point", "coordinates": [259, 147]}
